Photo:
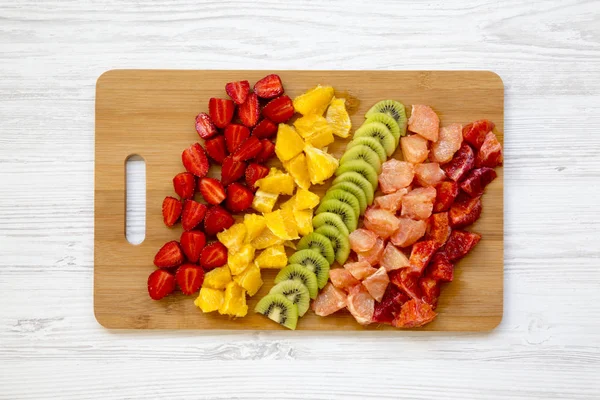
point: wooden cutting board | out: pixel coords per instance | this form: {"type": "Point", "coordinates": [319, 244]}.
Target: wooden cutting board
{"type": "Point", "coordinates": [151, 113]}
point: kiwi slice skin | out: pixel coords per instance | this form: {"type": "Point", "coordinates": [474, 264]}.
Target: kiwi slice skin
{"type": "Point", "coordinates": [313, 261]}
{"type": "Point", "coordinates": [331, 219]}
{"type": "Point", "coordinates": [342, 209]}
{"type": "Point", "coordinates": [340, 243]}
{"type": "Point", "coordinates": [295, 292]}
{"type": "Point", "coordinates": [297, 272]}
{"type": "Point", "coordinates": [388, 121]}
{"type": "Point", "coordinates": [319, 243]}
{"type": "Point", "coordinates": [278, 308]}
{"type": "Point", "coordinates": [362, 152]}
{"type": "Point", "coordinates": [394, 109]}
{"type": "Point", "coordinates": [360, 181]}
{"type": "Point", "coordinates": [344, 197]}
{"type": "Point", "coordinates": [363, 168]}
{"type": "Point", "coordinates": [372, 143]}
{"type": "Point", "coordinates": [380, 132]}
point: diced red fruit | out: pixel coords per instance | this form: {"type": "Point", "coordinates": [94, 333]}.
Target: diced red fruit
{"type": "Point", "coordinates": [170, 255]}
{"type": "Point", "coordinates": [391, 202]}
{"type": "Point", "coordinates": [342, 278]}
{"type": "Point", "coordinates": [268, 149]}
{"type": "Point", "coordinates": [390, 305]}
{"type": "Point", "coordinates": [362, 240]}
{"type": "Point", "coordinates": [360, 269]}
{"type": "Point", "coordinates": [395, 175]}
{"type": "Point", "coordinates": [372, 256]}
{"type": "Point", "coordinates": [360, 304]}
{"type": "Point", "coordinates": [438, 228]}
{"type": "Point", "coordinates": [192, 243]}
{"type": "Point", "coordinates": [171, 210]}
{"type": "Point", "coordinates": [204, 126]}
{"type": "Point", "coordinates": [217, 220]}
{"type": "Point", "coordinates": [239, 198]}
{"type": "Point", "coordinates": [414, 313]}
{"type": "Point", "coordinates": [264, 129]}
{"type": "Point", "coordinates": [446, 192]}
{"type": "Point", "coordinates": [475, 132]}
{"type": "Point", "coordinates": [269, 87]}
{"type": "Point", "coordinates": [460, 243]}
{"type": "Point", "coordinates": [414, 148]}
{"type": "Point", "coordinates": [212, 190]}
{"type": "Point", "coordinates": [216, 149]}
{"type": "Point", "coordinates": [447, 144]}
{"type": "Point", "coordinates": [253, 173]}
{"type": "Point", "coordinates": [238, 91]}
{"type": "Point", "coordinates": [160, 284]}
{"type": "Point", "coordinates": [213, 255]}
{"type": "Point", "coordinates": [249, 112]}
{"type": "Point", "coordinates": [418, 203]}
{"type": "Point", "coordinates": [235, 134]}
{"type": "Point", "coordinates": [248, 150]}
{"type": "Point", "coordinates": [462, 162]}
{"type": "Point", "coordinates": [465, 211]}
{"type": "Point", "coordinates": [409, 232]}
{"type": "Point", "coordinates": [407, 280]}
{"type": "Point", "coordinates": [195, 161]}
{"type": "Point", "coordinates": [221, 111]}
{"type": "Point", "coordinates": [429, 174]}
{"type": "Point", "coordinates": [381, 222]}
{"type": "Point", "coordinates": [490, 153]}
{"type": "Point", "coordinates": [185, 185]}
{"type": "Point", "coordinates": [440, 268]}
{"type": "Point", "coordinates": [189, 278]}
{"type": "Point", "coordinates": [477, 180]}
{"type": "Point", "coordinates": [280, 109]}
{"type": "Point", "coordinates": [192, 215]}
{"type": "Point", "coordinates": [377, 283]}
{"type": "Point", "coordinates": [231, 170]}
{"type": "Point", "coordinates": [430, 291]}
{"type": "Point", "coordinates": [329, 300]}
{"type": "Point", "coordinates": [393, 258]}
{"type": "Point", "coordinates": [421, 254]}
{"type": "Point", "coordinates": [424, 121]}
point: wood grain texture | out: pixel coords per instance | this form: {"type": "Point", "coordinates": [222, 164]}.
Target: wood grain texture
{"type": "Point", "coordinates": [548, 55]}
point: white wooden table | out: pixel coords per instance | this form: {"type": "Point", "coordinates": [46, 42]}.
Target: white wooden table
{"type": "Point", "coordinates": [547, 52]}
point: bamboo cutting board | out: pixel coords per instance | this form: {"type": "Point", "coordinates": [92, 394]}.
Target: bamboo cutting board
{"type": "Point", "coordinates": [151, 113]}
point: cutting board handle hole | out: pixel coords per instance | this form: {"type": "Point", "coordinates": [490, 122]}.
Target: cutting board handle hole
{"type": "Point", "coordinates": [135, 199]}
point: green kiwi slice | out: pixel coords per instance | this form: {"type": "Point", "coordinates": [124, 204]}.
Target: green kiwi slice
{"type": "Point", "coordinates": [328, 218]}
{"type": "Point", "coordinates": [342, 209]}
{"type": "Point", "coordinates": [339, 242]}
{"type": "Point", "coordinates": [319, 243]}
{"type": "Point", "coordinates": [362, 152]}
{"type": "Point", "coordinates": [394, 109]}
{"type": "Point", "coordinates": [295, 292]}
{"type": "Point", "coordinates": [372, 143]}
{"type": "Point", "coordinates": [363, 168]}
{"type": "Point", "coordinates": [391, 124]}
{"type": "Point", "coordinates": [344, 197]}
{"type": "Point", "coordinates": [313, 261]}
{"type": "Point", "coordinates": [278, 308]}
{"type": "Point", "coordinates": [354, 190]}
{"type": "Point", "coordinates": [360, 181]}
{"type": "Point", "coordinates": [297, 272]}
{"type": "Point", "coordinates": [380, 132]}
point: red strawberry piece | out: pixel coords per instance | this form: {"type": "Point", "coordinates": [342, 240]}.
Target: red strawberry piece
{"type": "Point", "coordinates": [192, 243]}
{"type": "Point", "coordinates": [421, 254]}
{"type": "Point", "coordinates": [160, 284]}
{"type": "Point", "coordinates": [264, 129]}
{"type": "Point", "coordinates": [189, 278]}
{"type": "Point", "coordinates": [475, 132]}
{"type": "Point", "coordinates": [460, 243]}
{"type": "Point", "coordinates": [171, 210]}
{"type": "Point", "coordinates": [249, 112]}
{"type": "Point", "coordinates": [221, 111]}
{"type": "Point", "coordinates": [477, 180]}
{"type": "Point", "coordinates": [239, 198]}
{"type": "Point", "coordinates": [490, 153]}
{"type": "Point", "coordinates": [407, 280]}
{"type": "Point", "coordinates": [446, 192]}
{"type": "Point", "coordinates": [217, 220]}
{"type": "Point", "coordinates": [212, 190]}
{"type": "Point", "coordinates": [268, 149]}
{"type": "Point", "coordinates": [204, 126]}
{"type": "Point", "coordinates": [390, 305]}
{"type": "Point", "coordinates": [238, 91]}
{"type": "Point", "coordinates": [213, 256]}
{"type": "Point", "coordinates": [170, 255]}
{"type": "Point", "coordinates": [279, 110]}
{"type": "Point", "coordinates": [438, 228]}
{"type": "Point", "coordinates": [269, 87]}
{"type": "Point", "coordinates": [195, 161]}
{"type": "Point", "coordinates": [430, 291]}
{"type": "Point", "coordinates": [465, 211]}
{"type": "Point", "coordinates": [235, 134]}
{"type": "Point", "coordinates": [185, 185]}
{"type": "Point", "coordinates": [440, 268]}
{"type": "Point", "coordinates": [216, 149]}
{"type": "Point", "coordinates": [232, 170]}
{"type": "Point", "coordinates": [462, 162]}
{"type": "Point", "coordinates": [251, 148]}
{"type": "Point", "coordinates": [192, 215]}
{"type": "Point", "coordinates": [255, 172]}
{"type": "Point", "coordinates": [414, 313]}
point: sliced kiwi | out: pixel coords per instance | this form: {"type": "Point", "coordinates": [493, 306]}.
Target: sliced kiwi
{"type": "Point", "coordinates": [358, 180]}
{"type": "Point", "coordinates": [328, 218]}
{"type": "Point", "coordinates": [344, 197]}
{"type": "Point", "coordinates": [380, 132]}
{"type": "Point", "coordinates": [355, 190]}
{"type": "Point", "coordinates": [278, 308]}
{"type": "Point", "coordinates": [342, 209]}
{"type": "Point", "coordinates": [339, 242]}
{"type": "Point", "coordinates": [319, 243]}
{"type": "Point", "coordinates": [372, 143]}
{"type": "Point", "coordinates": [363, 168]}
{"type": "Point", "coordinates": [295, 292]}
{"type": "Point", "coordinates": [297, 272]}
{"type": "Point", "coordinates": [362, 152]}
{"type": "Point", "coordinates": [313, 261]}
{"type": "Point", "coordinates": [390, 122]}
{"type": "Point", "coordinates": [394, 109]}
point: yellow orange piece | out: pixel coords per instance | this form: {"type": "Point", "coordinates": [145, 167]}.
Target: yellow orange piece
{"type": "Point", "coordinates": [290, 244]}
{"type": "Point", "coordinates": [314, 101]}
{"type": "Point", "coordinates": [321, 165]}
{"type": "Point", "coordinates": [338, 118]}
{"type": "Point", "coordinates": [239, 260]}
{"type": "Point", "coordinates": [233, 238]}
{"type": "Point", "coordinates": [277, 225]}
{"type": "Point", "coordinates": [288, 143]}
{"type": "Point", "coordinates": [290, 224]}
{"type": "Point", "coordinates": [217, 278]}
{"type": "Point", "coordinates": [289, 204]}
{"type": "Point", "coordinates": [305, 199]}
{"type": "Point", "coordinates": [298, 169]}
{"type": "Point", "coordinates": [234, 303]}
{"type": "Point", "coordinates": [272, 257]}
{"type": "Point", "coordinates": [250, 279]}
{"type": "Point", "coordinates": [276, 182]}
{"type": "Point", "coordinates": [304, 221]}
{"type": "Point", "coordinates": [254, 223]}
{"type": "Point", "coordinates": [309, 125]}
{"type": "Point", "coordinates": [210, 300]}
{"type": "Point", "coordinates": [264, 201]}
{"type": "Point", "coordinates": [266, 239]}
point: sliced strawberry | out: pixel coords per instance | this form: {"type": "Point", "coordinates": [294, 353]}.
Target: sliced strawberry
{"type": "Point", "coordinates": [249, 111]}
{"type": "Point", "coordinates": [264, 129]}
{"type": "Point", "coordinates": [460, 243]}
{"type": "Point", "coordinates": [192, 215]}
{"type": "Point", "coordinates": [204, 126]}
{"type": "Point", "coordinates": [268, 149]}
{"type": "Point", "coordinates": [440, 268]}
{"type": "Point", "coordinates": [238, 91]}
{"type": "Point", "coordinates": [192, 243]}
{"type": "Point", "coordinates": [255, 172]}
{"type": "Point", "coordinates": [221, 111]}
{"type": "Point", "coordinates": [269, 87]}
{"type": "Point", "coordinates": [477, 180]}
{"type": "Point", "coordinates": [421, 255]}
{"type": "Point", "coordinates": [235, 134]}
{"type": "Point", "coordinates": [231, 170]}
{"type": "Point", "coordinates": [279, 110]}
{"type": "Point", "coordinates": [185, 185]}
{"type": "Point", "coordinates": [217, 220]}
{"type": "Point", "coordinates": [212, 190]}
{"type": "Point", "coordinates": [239, 198]}
{"type": "Point", "coordinates": [216, 149]}
{"type": "Point", "coordinates": [170, 255]}
{"type": "Point", "coordinates": [189, 278]}
{"type": "Point", "coordinates": [213, 256]}
{"type": "Point", "coordinates": [171, 210]}
{"type": "Point", "coordinates": [195, 161]}
{"type": "Point", "coordinates": [160, 284]}
{"type": "Point", "coordinates": [248, 150]}
{"type": "Point", "coordinates": [465, 211]}
{"type": "Point", "coordinates": [446, 192]}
